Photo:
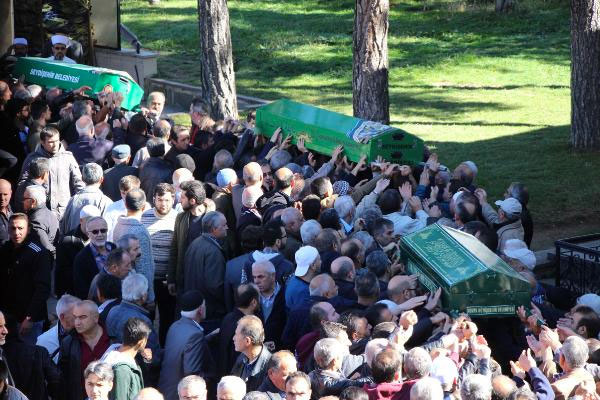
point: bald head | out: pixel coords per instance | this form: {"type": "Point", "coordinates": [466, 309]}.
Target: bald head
{"type": "Point", "coordinates": [181, 175]}
{"type": "Point", "coordinates": [252, 174]}
{"type": "Point", "coordinates": [343, 268]}
{"type": "Point", "coordinates": [283, 178]}
{"type": "Point", "coordinates": [503, 386]}
{"type": "Point", "coordinates": [322, 285]}
{"type": "Point", "coordinates": [149, 394]}
{"type": "Point", "coordinates": [85, 126]}
{"type": "Point", "coordinates": [250, 196]}
{"type": "Point", "coordinates": [5, 185]}
{"type": "Point", "coordinates": [162, 129]}
{"type": "Point", "coordinates": [397, 286]}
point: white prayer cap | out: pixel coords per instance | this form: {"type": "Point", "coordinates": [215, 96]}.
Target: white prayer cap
{"type": "Point", "coordinates": [60, 39]}
{"type": "Point", "coordinates": [20, 40]}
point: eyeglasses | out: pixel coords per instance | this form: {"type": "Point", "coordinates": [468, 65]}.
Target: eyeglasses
{"type": "Point", "coordinates": [97, 231]}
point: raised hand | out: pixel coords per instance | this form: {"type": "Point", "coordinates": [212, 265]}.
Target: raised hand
{"type": "Point", "coordinates": [526, 360]}
{"type": "Point", "coordinates": [434, 299]}
{"type": "Point", "coordinates": [415, 203]}
{"type": "Point", "coordinates": [405, 191]}
{"type": "Point", "coordinates": [381, 185]}
{"type": "Point", "coordinates": [408, 318]}
{"type": "Point", "coordinates": [413, 302]}
{"type": "Point", "coordinates": [481, 195]}
{"type": "Point", "coordinates": [424, 178]}
{"type": "Point", "coordinates": [516, 370]}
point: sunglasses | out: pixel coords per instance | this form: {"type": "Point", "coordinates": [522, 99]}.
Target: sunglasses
{"type": "Point", "coordinates": [97, 231]}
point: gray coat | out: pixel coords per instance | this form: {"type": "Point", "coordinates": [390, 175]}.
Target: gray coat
{"type": "Point", "coordinates": [64, 179]}
{"type": "Point", "coordinates": [505, 231]}
{"type": "Point", "coordinates": [186, 353]}
{"type": "Point", "coordinates": [204, 270]}
{"type": "Point", "coordinates": [91, 195]}
{"type": "Point", "coordinates": [145, 264]}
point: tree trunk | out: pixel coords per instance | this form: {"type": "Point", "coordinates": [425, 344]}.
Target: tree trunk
{"type": "Point", "coordinates": [370, 61]}
{"type": "Point", "coordinates": [504, 5]}
{"type": "Point", "coordinates": [216, 64]}
{"type": "Point", "coordinates": [585, 74]}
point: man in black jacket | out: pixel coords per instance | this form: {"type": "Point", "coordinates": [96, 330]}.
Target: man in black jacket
{"type": "Point", "coordinates": [274, 238]}
{"type": "Point", "coordinates": [246, 303]}
{"type": "Point", "coordinates": [24, 279]}
{"type": "Point", "coordinates": [204, 265]}
{"type": "Point", "coordinates": [92, 258]}
{"type": "Point", "coordinates": [43, 222]}
{"type": "Point", "coordinates": [70, 245]}
{"type": "Point", "coordinates": [279, 198]}
{"type": "Point", "coordinates": [30, 366]}
{"type": "Point", "coordinates": [251, 365]}
{"type": "Point", "coordinates": [155, 170]}
{"type": "Point", "coordinates": [279, 367]}
{"type": "Point", "coordinates": [121, 155]}
{"type": "Point", "coordinates": [272, 302]}
{"type": "Point", "coordinates": [84, 344]}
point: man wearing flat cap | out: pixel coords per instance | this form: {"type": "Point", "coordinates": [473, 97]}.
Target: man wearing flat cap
{"type": "Point", "coordinates": [186, 350]}
{"type": "Point", "coordinates": [60, 44]}
{"type": "Point", "coordinates": [121, 155]}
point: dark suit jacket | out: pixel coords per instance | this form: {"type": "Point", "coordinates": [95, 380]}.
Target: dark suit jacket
{"type": "Point", "coordinates": [233, 276]}
{"type": "Point", "coordinates": [84, 271]}
{"type": "Point", "coordinates": [226, 348]}
{"type": "Point", "coordinates": [112, 176]}
{"type": "Point", "coordinates": [68, 248]}
{"type": "Point", "coordinates": [275, 324]}
{"type": "Point", "coordinates": [69, 364]}
{"type": "Point", "coordinates": [257, 373]}
{"type": "Point", "coordinates": [186, 353]}
{"type": "Point", "coordinates": [204, 270]}
{"type": "Point", "coordinates": [31, 368]}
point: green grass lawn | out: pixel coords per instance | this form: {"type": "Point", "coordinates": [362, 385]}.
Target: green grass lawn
{"type": "Point", "coordinates": [474, 85]}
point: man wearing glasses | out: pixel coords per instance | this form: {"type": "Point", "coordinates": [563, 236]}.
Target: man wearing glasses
{"type": "Point", "coordinates": [92, 258]}
{"type": "Point", "coordinates": [60, 44]}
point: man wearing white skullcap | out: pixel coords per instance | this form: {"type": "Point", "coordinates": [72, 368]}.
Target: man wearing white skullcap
{"type": "Point", "coordinates": [20, 47]}
{"type": "Point", "coordinates": [60, 44]}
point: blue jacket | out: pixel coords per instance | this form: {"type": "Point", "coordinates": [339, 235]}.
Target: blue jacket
{"type": "Point", "coordinates": [296, 291]}
{"type": "Point", "coordinates": [118, 316]}
{"type": "Point", "coordinates": [540, 384]}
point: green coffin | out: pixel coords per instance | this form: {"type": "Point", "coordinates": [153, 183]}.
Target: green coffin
{"type": "Point", "coordinates": [48, 73]}
{"type": "Point", "coordinates": [473, 278]}
{"type": "Point", "coordinates": [323, 130]}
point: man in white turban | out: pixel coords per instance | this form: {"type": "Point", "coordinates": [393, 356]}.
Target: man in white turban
{"type": "Point", "coordinates": [60, 44]}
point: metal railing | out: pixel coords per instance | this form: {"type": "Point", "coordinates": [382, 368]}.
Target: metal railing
{"type": "Point", "coordinates": [578, 264]}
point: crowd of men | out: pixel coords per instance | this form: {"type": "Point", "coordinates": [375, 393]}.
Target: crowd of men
{"type": "Point", "coordinates": [211, 262]}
